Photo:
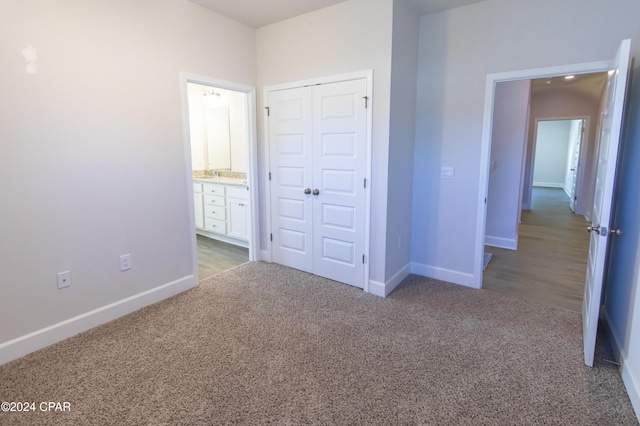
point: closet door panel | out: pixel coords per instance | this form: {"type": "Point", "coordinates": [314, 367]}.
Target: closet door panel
{"type": "Point", "coordinates": [339, 137]}
{"type": "Point", "coordinates": [290, 141]}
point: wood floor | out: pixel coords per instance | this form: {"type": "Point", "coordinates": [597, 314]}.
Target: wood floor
{"type": "Point", "coordinates": [216, 256]}
{"type": "Point", "coordinates": [550, 264]}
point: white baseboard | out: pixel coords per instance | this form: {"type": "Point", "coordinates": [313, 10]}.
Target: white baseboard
{"type": "Point", "coordinates": [23, 345]}
{"type": "Point", "coordinates": [630, 377]}
{"type": "Point", "coordinates": [384, 289]}
{"type": "Point", "coordinates": [377, 288]}
{"type": "Point", "coordinates": [442, 274]}
{"type": "Point", "coordinates": [632, 383]}
{"type": "Point", "coordinates": [549, 184]}
{"type": "Point", "coordinates": [265, 255]}
{"type": "Point", "coordinates": [506, 243]}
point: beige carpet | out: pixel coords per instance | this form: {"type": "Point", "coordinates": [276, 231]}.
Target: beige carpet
{"type": "Point", "coordinates": [263, 344]}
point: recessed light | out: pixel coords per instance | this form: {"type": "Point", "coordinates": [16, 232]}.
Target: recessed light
{"type": "Point", "coordinates": [611, 72]}
{"type": "Point", "coordinates": [569, 77]}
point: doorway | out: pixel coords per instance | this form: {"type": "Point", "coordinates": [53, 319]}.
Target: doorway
{"type": "Point", "coordinates": [546, 262]}
{"type": "Point", "coordinates": [220, 156]}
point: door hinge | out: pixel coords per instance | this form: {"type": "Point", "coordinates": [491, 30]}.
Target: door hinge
{"type": "Point", "coordinates": [363, 258]}
{"type": "Point", "coordinates": [270, 237]}
{"type": "Point", "coordinates": [365, 183]}
{"type": "Point", "coordinates": [268, 111]}
{"type": "Point", "coordinates": [485, 200]}
{"type": "Point", "coordinates": [366, 101]}
{"type": "Point", "coordinates": [575, 198]}
{"type": "Point", "coordinates": [269, 175]}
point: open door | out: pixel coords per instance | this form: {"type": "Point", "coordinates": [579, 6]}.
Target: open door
{"type": "Point", "coordinates": [602, 202]}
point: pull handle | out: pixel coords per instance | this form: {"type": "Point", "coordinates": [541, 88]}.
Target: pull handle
{"type": "Point", "coordinates": [316, 192]}
{"type": "Point", "coordinates": [307, 191]}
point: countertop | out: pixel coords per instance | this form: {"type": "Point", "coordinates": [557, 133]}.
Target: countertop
{"type": "Point", "coordinates": [222, 180]}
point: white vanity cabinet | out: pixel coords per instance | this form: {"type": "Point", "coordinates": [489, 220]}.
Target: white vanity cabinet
{"type": "Point", "coordinates": [198, 205]}
{"type": "Point", "coordinates": [225, 212]}
{"type": "Point", "coordinates": [238, 208]}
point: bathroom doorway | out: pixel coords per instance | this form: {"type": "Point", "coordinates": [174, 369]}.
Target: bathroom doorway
{"type": "Point", "coordinates": [220, 153]}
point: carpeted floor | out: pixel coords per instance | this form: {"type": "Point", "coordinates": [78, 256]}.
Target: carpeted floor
{"type": "Point", "coordinates": [266, 344]}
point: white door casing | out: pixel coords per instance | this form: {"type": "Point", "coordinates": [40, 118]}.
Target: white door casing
{"type": "Point", "coordinates": [575, 164]}
{"type": "Point", "coordinates": [603, 196]}
{"type": "Point", "coordinates": [317, 144]}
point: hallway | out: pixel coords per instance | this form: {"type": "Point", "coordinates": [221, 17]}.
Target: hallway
{"type": "Point", "coordinates": [550, 264]}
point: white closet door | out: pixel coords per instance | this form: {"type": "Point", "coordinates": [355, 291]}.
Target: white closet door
{"type": "Point", "coordinates": [339, 142]}
{"type": "Point", "coordinates": [290, 141]}
{"type": "Point", "coordinates": [317, 139]}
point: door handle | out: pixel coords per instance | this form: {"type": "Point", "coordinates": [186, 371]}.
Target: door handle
{"type": "Point", "coordinates": [316, 192]}
{"type": "Point", "coordinates": [307, 191]}
{"type": "Point", "coordinates": [595, 229]}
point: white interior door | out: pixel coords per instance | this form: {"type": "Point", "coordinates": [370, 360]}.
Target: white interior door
{"type": "Point", "coordinates": [575, 163]}
{"type": "Point", "coordinates": [290, 142]}
{"type": "Point", "coordinates": [317, 138]}
{"type": "Point", "coordinates": [601, 214]}
{"type": "Point", "coordinates": [339, 128]}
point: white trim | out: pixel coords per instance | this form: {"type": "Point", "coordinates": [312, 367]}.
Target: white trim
{"type": "Point", "coordinates": [359, 75]}
{"type": "Point", "coordinates": [396, 279]}
{"type": "Point", "coordinates": [252, 157]}
{"type": "Point", "coordinates": [23, 345]}
{"type": "Point", "coordinates": [506, 243]}
{"type": "Point", "coordinates": [265, 256]}
{"type": "Point", "coordinates": [377, 288]}
{"type": "Point", "coordinates": [442, 274]}
{"type": "Point", "coordinates": [633, 387]}
{"type": "Point", "coordinates": [548, 184]}
{"type": "Point", "coordinates": [485, 151]}
{"type": "Point", "coordinates": [629, 376]}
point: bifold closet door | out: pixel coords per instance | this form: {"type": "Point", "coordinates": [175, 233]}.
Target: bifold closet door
{"type": "Point", "coordinates": [318, 159]}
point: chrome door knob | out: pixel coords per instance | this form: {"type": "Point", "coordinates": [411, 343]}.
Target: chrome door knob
{"type": "Point", "coordinates": [616, 232]}
{"type": "Point", "coordinates": [307, 191]}
{"type": "Point", "coordinates": [316, 192]}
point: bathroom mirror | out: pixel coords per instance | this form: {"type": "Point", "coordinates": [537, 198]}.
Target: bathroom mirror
{"type": "Point", "coordinates": [218, 138]}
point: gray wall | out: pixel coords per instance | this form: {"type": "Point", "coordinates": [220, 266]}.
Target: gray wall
{"type": "Point", "coordinates": [92, 159]}
{"type": "Point", "coordinates": [510, 116]}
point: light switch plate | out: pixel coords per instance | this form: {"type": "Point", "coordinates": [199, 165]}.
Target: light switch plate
{"type": "Point", "coordinates": [446, 173]}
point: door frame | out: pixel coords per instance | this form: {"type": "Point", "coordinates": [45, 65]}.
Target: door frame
{"type": "Point", "coordinates": [252, 157]}
{"type": "Point", "coordinates": [581, 156]}
{"type": "Point", "coordinates": [358, 75]}
{"type": "Point", "coordinates": [485, 150]}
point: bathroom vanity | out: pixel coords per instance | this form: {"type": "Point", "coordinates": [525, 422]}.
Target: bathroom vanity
{"type": "Point", "coordinates": [221, 207]}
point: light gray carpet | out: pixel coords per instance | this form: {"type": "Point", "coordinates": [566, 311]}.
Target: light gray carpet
{"type": "Point", "coordinates": [266, 344]}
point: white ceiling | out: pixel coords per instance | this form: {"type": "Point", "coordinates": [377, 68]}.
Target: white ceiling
{"type": "Point", "coordinates": [258, 13]}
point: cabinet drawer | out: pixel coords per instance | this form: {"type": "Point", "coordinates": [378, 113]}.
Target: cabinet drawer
{"type": "Point", "coordinates": [215, 212]}
{"type": "Point", "coordinates": [214, 225]}
{"type": "Point", "coordinates": [197, 187]}
{"type": "Point", "coordinates": [213, 189]}
{"type": "Point", "coordinates": [237, 192]}
{"type": "Point", "coordinates": [214, 200]}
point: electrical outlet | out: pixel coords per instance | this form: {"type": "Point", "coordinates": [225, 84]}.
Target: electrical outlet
{"type": "Point", "coordinates": [64, 279]}
{"type": "Point", "coordinates": [125, 262]}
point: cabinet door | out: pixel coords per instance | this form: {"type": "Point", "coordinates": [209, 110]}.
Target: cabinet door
{"type": "Point", "coordinates": [238, 219]}
{"type": "Point", "coordinates": [198, 208]}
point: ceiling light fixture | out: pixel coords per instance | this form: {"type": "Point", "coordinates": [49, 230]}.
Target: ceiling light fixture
{"type": "Point", "coordinates": [569, 77]}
